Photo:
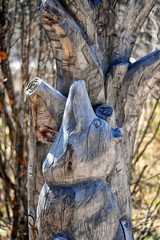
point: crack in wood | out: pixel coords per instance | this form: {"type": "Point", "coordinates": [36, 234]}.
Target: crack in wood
{"type": "Point", "coordinates": [155, 68]}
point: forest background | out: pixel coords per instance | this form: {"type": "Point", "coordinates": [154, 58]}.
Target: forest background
{"type": "Point", "coordinates": [25, 53]}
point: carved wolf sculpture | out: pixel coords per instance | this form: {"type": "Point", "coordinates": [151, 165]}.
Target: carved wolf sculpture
{"type": "Point", "coordinates": [75, 201]}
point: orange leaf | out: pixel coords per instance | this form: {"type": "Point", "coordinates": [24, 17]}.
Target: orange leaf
{"type": "Point", "coordinates": [3, 55]}
{"type": "Point", "coordinates": [11, 229]}
{"type": "Point", "coordinates": [21, 160]}
{"type": "Point", "coordinates": [11, 101]}
{"type": "Point", "coordinates": [20, 225]}
{"type": "Point", "coordinates": [13, 202]}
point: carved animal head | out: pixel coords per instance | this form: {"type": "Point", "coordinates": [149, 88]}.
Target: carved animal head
{"type": "Point", "coordinates": [83, 135]}
{"type": "Point", "coordinates": [82, 128]}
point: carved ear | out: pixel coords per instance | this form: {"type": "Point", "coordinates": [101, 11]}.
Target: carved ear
{"type": "Point", "coordinates": [78, 112]}
{"type": "Point", "coordinates": [104, 111]}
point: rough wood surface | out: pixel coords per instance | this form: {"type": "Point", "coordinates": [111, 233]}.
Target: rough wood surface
{"type": "Point", "coordinates": [91, 40]}
{"type": "Point", "coordinates": [102, 34]}
{"type": "Point", "coordinates": [46, 111]}
{"type": "Point", "coordinates": [89, 37]}
{"type": "Point", "coordinates": [75, 198]}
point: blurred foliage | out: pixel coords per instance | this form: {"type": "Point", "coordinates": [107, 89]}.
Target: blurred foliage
{"type": "Point", "coordinates": [25, 53]}
{"type": "Point", "coordinates": [145, 187]}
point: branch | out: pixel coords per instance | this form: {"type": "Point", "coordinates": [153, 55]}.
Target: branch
{"type": "Point", "coordinates": [144, 68]}
{"type": "Point", "coordinates": [140, 79]}
{"type": "Point", "coordinates": [145, 147]}
{"type": "Point", "coordinates": [73, 59]}
{"type": "Point", "coordinates": [62, 34]}
{"type": "Point", "coordinates": [143, 231]}
{"type": "Point", "coordinates": [146, 128]}
{"type": "Point", "coordinates": [71, 26]}
{"type": "Point", "coordinates": [4, 176]}
{"type": "Point", "coordinates": [142, 9]}
{"type": "Point", "coordinates": [138, 180]}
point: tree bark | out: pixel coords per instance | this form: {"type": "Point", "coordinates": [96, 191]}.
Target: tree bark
{"type": "Point", "coordinates": [91, 40]}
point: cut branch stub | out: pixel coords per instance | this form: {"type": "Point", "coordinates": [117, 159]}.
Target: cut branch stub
{"type": "Point", "coordinates": [54, 100]}
{"type": "Point", "coordinates": [49, 105]}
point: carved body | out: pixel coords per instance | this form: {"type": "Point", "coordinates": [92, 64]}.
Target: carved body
{"type": "Point", "coordinates": [84, 211]}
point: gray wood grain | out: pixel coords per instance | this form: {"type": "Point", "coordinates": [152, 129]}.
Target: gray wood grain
{"type": "Point", "coordinates": [76, 198]}
{"type": "Point", "coordinates": [91, 40]}
{"type": "Point", "coordinates": [46, 112]}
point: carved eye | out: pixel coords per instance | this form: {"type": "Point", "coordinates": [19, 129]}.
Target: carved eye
{"type": "Point", "coordinates": [104, 111]}
{"type": "Point", "coordinates": [97, 123]}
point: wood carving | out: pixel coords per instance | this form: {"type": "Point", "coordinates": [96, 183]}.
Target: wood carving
{"type": "Point", "coordinates": [46, 112]}
{"type": "Point", "coordinates": [75, 201]}
{"type": "Point", "coordinates": [80, 164]}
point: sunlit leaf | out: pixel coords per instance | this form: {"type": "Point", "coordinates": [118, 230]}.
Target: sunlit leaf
{"type": "Point", "coordinates": [21, 160]}
{"type": "Point", "coordinates": [3, 55]}
{"type": "Point", "coordinates": [11, 101]}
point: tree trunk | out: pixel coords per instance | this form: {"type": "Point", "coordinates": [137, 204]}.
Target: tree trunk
{"type": "Point", "coordinates": [80, 189]}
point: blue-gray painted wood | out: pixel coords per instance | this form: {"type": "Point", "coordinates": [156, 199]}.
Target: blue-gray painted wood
{"type": "Point", "coordinates": [84, 211]}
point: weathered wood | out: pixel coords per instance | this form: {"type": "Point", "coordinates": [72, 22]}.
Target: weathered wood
{"type": "Point", "coordinates": [46, 111]}
{"type": "Point", "coordinates": [91, 40]}
{"type": "Point", "coordinates": [75, 198]}
{"type": "Point", "coordinates": [96, 35]}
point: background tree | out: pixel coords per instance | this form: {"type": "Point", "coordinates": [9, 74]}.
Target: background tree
{"type": "Point", "coordinates": [22, 40]}
{"type": "Point", "coordinates": [25, 52]}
